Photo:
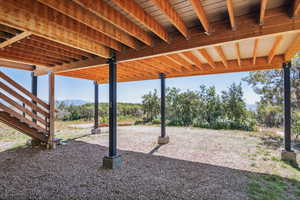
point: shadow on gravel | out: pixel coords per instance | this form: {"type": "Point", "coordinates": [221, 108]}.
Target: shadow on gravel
{"type": "Point", "coordinates": [74, 171]}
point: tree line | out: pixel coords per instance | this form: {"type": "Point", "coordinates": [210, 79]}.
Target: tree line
{"type": "Point", "coordinates": [201, 108]}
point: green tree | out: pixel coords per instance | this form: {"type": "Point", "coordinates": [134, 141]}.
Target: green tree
{"type": "Point", "coordinates": [151, 105]}
{"type": "Point", "coordinates": [234, 104]}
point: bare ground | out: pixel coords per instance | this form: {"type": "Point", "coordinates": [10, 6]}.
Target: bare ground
{"type": "Point", "coordinates": [196, 164]}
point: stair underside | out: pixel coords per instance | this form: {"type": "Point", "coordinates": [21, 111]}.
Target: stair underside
{"type": "Point", "coordinates": [22, 127]}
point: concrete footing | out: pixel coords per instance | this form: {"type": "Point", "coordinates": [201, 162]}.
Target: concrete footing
{"type": "Point", "coordinates": [96, 131]}
{"type": "Point", "coordinates": [163, 140]}
{"type": "Point", "coordinates": [289, 156]}
{"type": "Point", "coordinates": [112, 162]}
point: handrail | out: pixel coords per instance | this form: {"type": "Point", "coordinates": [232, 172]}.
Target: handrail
{"type": "Point", "coordinates": [20, 117]}
{"type": "Point", "coordinates": [23, 99]}
{"type": "Point", "coordinates": [38, 110]}
{"type": "Point", "coordinates": [21, 108]}
{"type": "Point", "coordinates": [25, 91]}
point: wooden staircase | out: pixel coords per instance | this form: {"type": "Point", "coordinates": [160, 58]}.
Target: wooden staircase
{"type": "Point", "coordinates": [23, 111]}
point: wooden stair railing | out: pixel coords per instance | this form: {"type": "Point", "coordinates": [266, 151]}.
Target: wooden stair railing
{"type": "Point", "coordinates": [35, 113]}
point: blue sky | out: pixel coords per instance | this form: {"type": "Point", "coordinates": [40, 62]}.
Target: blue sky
{"type": "Point", "coordinates": [71, 88]}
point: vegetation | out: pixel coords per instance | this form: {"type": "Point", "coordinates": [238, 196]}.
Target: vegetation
{"type": "Point", "coordinates": [126, 112]}
{"type": "Point", "coordinates": [202, 108]}
{"type": "Point", "coordinates": [269, 85]}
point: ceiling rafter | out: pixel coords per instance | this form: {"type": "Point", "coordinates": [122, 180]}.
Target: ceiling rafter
{"type": "Point", "coordinates": [238, 53]}
{"type": "Point", "coordinates": [179, 59]}
{"type": "Point", "coordinates": [103, 10]}
{"type": "Point", "coordinates": [15, 39]}
{"type": "Point", "coordinates": [292, 49]}
{"type": "Point", "coordinates": [262, 64]}
{"type": "Point", "coordinates": [192, 59]}
{"type": "Point", "coordinates": [40, 23]}
{"type": "Point", "coordinates": [79, 14]}
{"type": "Point", "coordinates": [139, 14]}
{"type": "Point", "coordinates": [221, 54]}
{"type": "Point", "coordinates": [15, 56]}
{"type": "Point", "coordinates": [207, 57]}
{"type": "Point", "coordinates": [201, 15]}
{"type": "Point", "coordinates": [173, 16]}
{"type": "Point", "coordinates": [154, 62]}
{"type": "Point", "coordinates": [38, 53]}
{"type": "Point", "coordinates": [50, 44]}
{"type": "Point", "coordinates": [154, 66]}
{"type": "Point", "coordinates": [48, 50]}
{"type": "Point", "coordinates": [231, 14]}
{"type": "Point", "coordinates": [275, 46]}
{"type": "Point", "coordinates": [163, 63]}
{"type": "Point", "coordinates": [296, 8]}
{"type": "Point", "coordinates": [256, 42]}
{"type": "Point", "coordinates": [14, 65]}
{"type": "Point", "coordinates": [263, 7]}
{"type": "Point", "coordinates": [170, 63]}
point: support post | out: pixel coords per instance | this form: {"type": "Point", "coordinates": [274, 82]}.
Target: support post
{"type": "Point", "coordinates": [34, 81]}
{"type": "Point", "coordinates": [163, 139]}
{"type": "Point", "coordinates": [287, 154]}
{"type": "Point", "coordinates": [96, 129]}
{"type": "Point", "coordinates": [112, 160]}
{"type": "Point", "coordinates": [51, 143]}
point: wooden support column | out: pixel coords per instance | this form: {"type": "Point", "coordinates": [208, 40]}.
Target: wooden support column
{"type": "Point", "coordinates": [51, 144]}
{"type": "Point", "coordinates": [96, 129]}
{"type": "Point", "coordinates": [113, 160]}
{"type": "Point", "coordinates": [287, 154]}
{"type": "Point", "coordinates": [163, 139]}
{"type": "Point", "coordinates": [34, 82]}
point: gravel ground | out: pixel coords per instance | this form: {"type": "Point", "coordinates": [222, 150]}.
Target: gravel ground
{"type": "Point", "coordinates": [196, 164]}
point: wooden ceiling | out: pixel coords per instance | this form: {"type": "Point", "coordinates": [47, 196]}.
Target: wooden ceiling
{"type": "Point", "coordinates": [175, 37]}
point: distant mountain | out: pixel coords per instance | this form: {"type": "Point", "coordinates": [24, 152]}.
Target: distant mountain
{"type": "Point", "coordinates": [74, 102]}
{"type": "Point", "coordinates": [252, 107]}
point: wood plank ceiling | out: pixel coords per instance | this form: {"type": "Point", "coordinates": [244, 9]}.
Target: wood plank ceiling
{"type": "Point", "coordinates": [175, 37]}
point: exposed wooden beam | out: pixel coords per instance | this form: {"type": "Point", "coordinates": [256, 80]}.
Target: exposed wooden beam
{"type": "Point", "coordinates": [15, 39]}
{"type": "Point", "coordinates": [256, 41]}
{"type": "Point", "coordinates": [170, 63]}
{"type": "Point", "coordinates": [231, 14]}
{"type": "Point", "coordinates": [20, 58]}
{"type": "Point", "coordinates": [207, 57]}
{"type": "Point", "coordinates": [40, 22]}
{"type": "Point", "coordinates": [275, 46]}
{"type": "Point", "coordinates": [138, 13]}
{"type": "Point", "coordinates": [296, 8]}
{"type": "Point", "coordinates": [220, 52]}
{"type": "Point", "coordinates": [262, 64]}
{"type": "Point", "coordinates": [179, 59]}
{"type": "Point", "coordinates": [251, 30]}
{"type": "Point", "coordinates": [173, 16]}
{"type": "Point", "coordinates": [79, 14]}
{"type": "Point", "coordinates": [201, 14]}
{"type": "Point", "coordinates": [263, 7]}
{"type": "Point", "coordinates": [103, 10]}
{"type": "Point", "coordinates": [14, 65]}
{"type": "Point", "coordinates": [238, 53]}
{"type": "Point", "coordinates": [292, 49]}
{"type": "Point", "coordinates": [193, 59]}
{"type": "Point", "coordinates": [9, 30]}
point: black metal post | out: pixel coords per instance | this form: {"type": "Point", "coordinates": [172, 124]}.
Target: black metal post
{"type": "Point", "coordinates": [34, 82]}
{"type": "Point", "coordinates": [112, 106]}
{"type": "Point", "coordinates": [162, 104]}
{"type": "Point", "coordinates": [287, 106]}
{"type": "Point", "coordinates": [96, 114]}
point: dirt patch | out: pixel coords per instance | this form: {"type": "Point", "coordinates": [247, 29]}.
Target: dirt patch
{"type": "Point", "coordinates": [196, 164]}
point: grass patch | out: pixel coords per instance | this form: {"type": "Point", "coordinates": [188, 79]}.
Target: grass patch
{"type": "Point", "coordinates": [273, 187]}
